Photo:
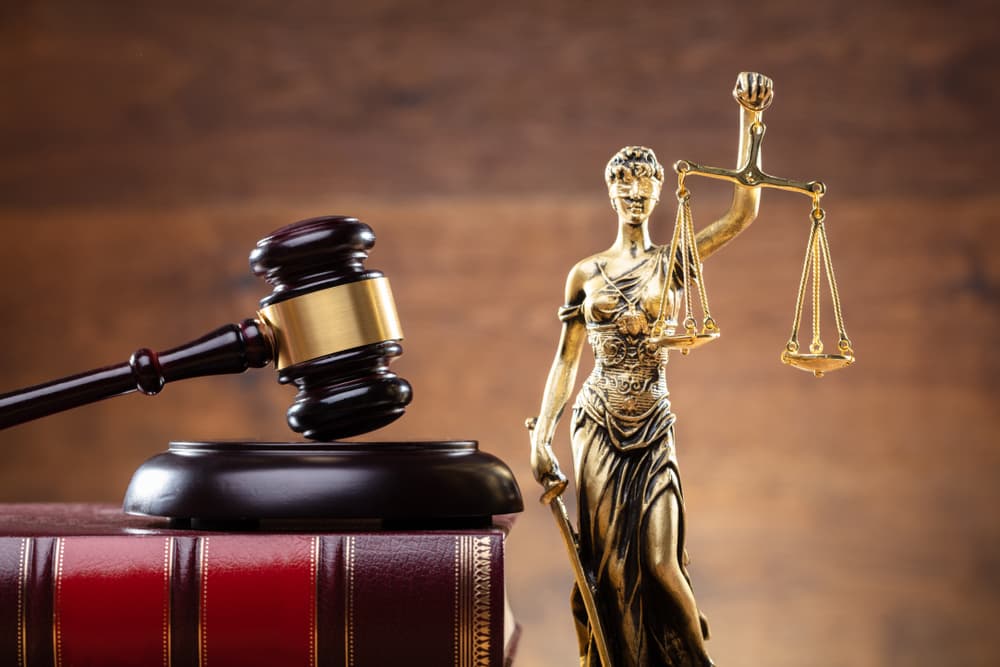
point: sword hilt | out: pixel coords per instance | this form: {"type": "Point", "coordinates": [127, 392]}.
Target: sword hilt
{"type": "Point", "coordinates": [554, 484]}
{"type": "Point", "coordinates": [554, 487]}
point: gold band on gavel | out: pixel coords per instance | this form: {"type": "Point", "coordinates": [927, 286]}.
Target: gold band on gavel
{"type": "Point", "coordinates": [331, 320]}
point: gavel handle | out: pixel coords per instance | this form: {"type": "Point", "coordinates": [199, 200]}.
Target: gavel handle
{"type": "Point", "coordinates": [230, 349]}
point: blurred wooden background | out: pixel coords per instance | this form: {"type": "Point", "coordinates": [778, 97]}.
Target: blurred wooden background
{"type": "Point", "coordinates": [145, 147]}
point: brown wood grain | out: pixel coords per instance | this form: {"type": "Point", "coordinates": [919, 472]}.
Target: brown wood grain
{"type": "Point", "coordinates": [845, 521]}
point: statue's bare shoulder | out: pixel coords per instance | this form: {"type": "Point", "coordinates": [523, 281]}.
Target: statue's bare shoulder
{"type": "Point", "coordinates": [582, 272]}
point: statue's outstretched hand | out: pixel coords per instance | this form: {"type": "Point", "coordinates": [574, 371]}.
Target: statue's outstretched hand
{"type": "Point", "coordinates": [753, 91]}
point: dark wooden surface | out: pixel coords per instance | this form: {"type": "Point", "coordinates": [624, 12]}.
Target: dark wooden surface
{"type": "Point", "coordinates": [845, 521]}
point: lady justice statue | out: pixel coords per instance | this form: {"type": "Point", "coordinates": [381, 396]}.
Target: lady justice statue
{"type": "Point", "coordinates": [631, 508]}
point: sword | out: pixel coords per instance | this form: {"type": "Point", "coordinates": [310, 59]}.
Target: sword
{"type": "Point", "coordinates": [552, 497]}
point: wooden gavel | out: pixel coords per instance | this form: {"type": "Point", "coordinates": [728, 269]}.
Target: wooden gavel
{"type": "Point", "coordinates": [329, 325]}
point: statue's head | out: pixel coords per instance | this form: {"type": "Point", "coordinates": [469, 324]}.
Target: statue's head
{"type": "Point", "coordinates": [634, 178]}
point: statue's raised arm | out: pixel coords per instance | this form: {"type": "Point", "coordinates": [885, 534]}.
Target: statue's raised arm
{"type": "Point", "coordinates": [754, 92]}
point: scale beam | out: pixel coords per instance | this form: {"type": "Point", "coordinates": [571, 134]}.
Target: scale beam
{"type": "Point", "coordinates": [750, 174]}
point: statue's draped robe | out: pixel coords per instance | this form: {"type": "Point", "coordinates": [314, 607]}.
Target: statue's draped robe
{"type": "Point", "coordinates": [623, 449]}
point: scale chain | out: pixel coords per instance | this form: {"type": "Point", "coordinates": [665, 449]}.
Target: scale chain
{"type": "Point", "coordinates": [793, 341]}
{"type": "Point", "coordinates": [816, 347]}
{"type": "Point", "coordinates": [709, 321]}
{"type": "Point", "coordinates": [845, 342]}
{"type": "Point", "coordinates": [686, 276]}
{"type": "Point", "coordinates": [661, 318]}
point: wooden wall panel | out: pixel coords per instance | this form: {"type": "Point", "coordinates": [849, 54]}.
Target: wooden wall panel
{"type": "Point", "coordinates": [846, 521]}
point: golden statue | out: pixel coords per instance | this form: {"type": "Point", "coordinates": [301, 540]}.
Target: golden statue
{"type": "Point", "coordinates": [626, 302]}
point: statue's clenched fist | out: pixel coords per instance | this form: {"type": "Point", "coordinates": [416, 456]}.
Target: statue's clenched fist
{"type": "Point", "coordinates": [753, 91]}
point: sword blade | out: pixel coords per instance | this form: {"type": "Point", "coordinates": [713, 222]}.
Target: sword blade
{"type": "Point", "coordinates": [583, 581]}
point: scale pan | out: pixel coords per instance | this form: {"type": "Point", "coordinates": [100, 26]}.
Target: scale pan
{"type": "Point", "coordinates": [686, 342]}
{"type": "Point", "coordinates": [817, 363]}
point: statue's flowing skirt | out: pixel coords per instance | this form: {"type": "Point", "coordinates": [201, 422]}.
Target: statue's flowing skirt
{"type": "Point", "coordinates": [617, 487]}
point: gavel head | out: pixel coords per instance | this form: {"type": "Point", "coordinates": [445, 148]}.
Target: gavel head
{"type": "Point", "coordinates": [333, 327]}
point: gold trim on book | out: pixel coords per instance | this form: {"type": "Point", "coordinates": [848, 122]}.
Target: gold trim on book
{"type": "Point", "coordinates": [481, 566]}
{"type": "Point", "coordinates": [349, 601]}
{"type": "Point", "coordinates": [331, 320]}
{"type": "Point", "coordinates": [314, 610]}
{"type": "Point", "coordinates": [202, 629]}
{"type": "Point", "coordinates": [23, 561]}
{"type": "Point", "coordinates": [472, 600]}
{"type": "Point", "coordinates": [458, 601]}
{"type": "Point", "coordinates": [168, 571]}
{"type": "Point", "coordinates": [57, 567]}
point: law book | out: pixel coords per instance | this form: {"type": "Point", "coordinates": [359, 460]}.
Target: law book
{"type": "Point", "coordinates": [89, 585]}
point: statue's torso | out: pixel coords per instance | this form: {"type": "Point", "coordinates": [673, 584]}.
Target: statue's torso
{"type": "Point", "coordinates": [628, 371]}
{"type": "Point", "coordinates": [619, 310]}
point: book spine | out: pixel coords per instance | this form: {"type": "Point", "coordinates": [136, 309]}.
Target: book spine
{"type": "Point", "coordinates": [351, 600]}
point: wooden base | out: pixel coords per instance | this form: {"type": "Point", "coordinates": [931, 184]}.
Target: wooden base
{"type": "Point", "coordinates": [423, 484]}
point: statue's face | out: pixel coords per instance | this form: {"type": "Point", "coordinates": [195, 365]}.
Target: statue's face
{"type": "Point", "coordinates": [634, 198]}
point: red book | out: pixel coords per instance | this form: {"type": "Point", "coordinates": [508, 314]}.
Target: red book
{"type": "Point", "coordinates": [88, 585]}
